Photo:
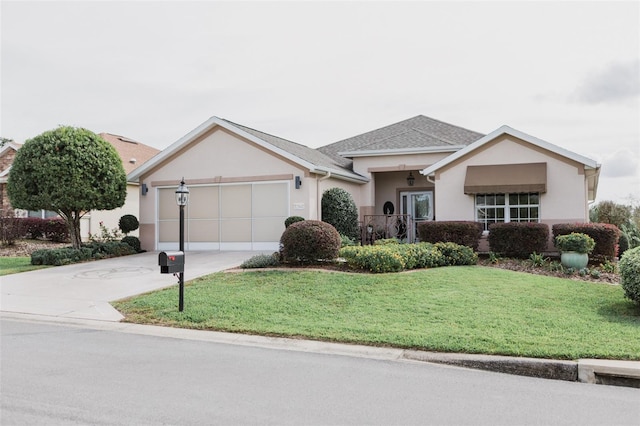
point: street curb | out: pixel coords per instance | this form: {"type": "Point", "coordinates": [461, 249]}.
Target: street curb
{"type": "Point", "coordinates": [532, 367]}
{"type": "Point", "coordinates": [609, 372]}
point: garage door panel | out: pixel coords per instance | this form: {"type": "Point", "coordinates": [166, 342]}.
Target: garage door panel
{"type": "Point", "coordinates": [167, 207]}
{"type": "Point", "coordinates": [235, 230]}
{"type": "Point", "coordinates": [270, 200]}
{"type": "Point", "coordinates": [203, 231]}
{"type": "Point", "coordinates": [235, 201]}
{"type": "Point", "coordinates": [203, 202]}
{"type": "Point", "coordinates": [268, 229]}
{"type": "Point", "coordinates": [168, 231]}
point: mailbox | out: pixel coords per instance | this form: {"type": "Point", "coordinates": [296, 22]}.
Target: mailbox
{"type": "Point", "coordinates": [171, 262]}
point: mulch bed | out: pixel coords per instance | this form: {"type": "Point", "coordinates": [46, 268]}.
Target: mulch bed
{"type": "Point", "coordinates": [24, 248]}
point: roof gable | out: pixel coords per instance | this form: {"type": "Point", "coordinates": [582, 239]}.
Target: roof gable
{"type": "Point", "coordinates": [417, 134]}
{"type": "Point", "coordinates": [313, 160]}
{"type": "Point", "coordinates": [506, 130]}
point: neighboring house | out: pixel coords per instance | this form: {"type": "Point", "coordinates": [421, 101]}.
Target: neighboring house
{"type": "Point", "coordinates": [133, 155]}
{"type": "Point", "coordinates": [7, 154]}
{"type": "Point", "coordinates": [244, 183]}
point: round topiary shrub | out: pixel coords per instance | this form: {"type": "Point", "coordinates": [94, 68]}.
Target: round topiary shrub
{"type": "Point", "coordinates": [339, 209]}
{"type": "Point", "coordinates": [629, 266]}
{"type": "Point", "coordinates": [292, 219]}
{"type": "Point", "coordinates": [309, 241]}
{"type": "Point", "coordinates": [134, 242]}
{"type": "Point", "coordinates": [128, 223]}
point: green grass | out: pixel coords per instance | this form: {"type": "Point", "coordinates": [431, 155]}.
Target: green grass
{"type": "Point", "coordinates": [14, 265]}
{"type": "Point", "coordinates": [456, 309]}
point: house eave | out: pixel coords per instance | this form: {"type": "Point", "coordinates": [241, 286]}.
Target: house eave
{"type": "Point", "coordinates": [588, 163]}
{"type": "Point", "coordinates": [400, 151]}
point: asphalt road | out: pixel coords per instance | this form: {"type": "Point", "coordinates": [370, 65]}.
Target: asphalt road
{"type": "Point", "coordinates": [65, 375]}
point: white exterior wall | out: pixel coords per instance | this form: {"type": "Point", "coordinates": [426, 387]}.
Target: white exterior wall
{"type": "Point", "coordinates": [564, 201]}
{"type": "Point", "coordinates": [90, 223]}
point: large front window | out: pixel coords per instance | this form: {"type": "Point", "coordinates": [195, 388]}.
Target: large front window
{"type": "Point", "coordinates": [498, 208]}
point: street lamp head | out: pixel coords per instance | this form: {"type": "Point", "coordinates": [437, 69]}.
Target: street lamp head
{"type": "Point", "coordinates": [182, 194]}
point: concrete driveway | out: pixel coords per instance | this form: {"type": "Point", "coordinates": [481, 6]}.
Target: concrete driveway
{"type": "Point", "coordinates": [84, 290]}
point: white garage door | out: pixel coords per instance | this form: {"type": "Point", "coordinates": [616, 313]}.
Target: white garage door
{"type": "Point", "coordinates": [246, 216]}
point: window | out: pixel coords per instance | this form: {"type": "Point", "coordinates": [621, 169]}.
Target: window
{"type": "Point", "coordinates": [499, 208]}
{"type": "Point", "coordinates": [42, 214]}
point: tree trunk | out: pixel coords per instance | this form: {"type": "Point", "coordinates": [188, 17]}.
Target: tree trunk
{"type": "Point", "coordinates": [73, 223]}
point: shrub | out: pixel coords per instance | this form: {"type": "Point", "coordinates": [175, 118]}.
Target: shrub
{"type": "Point", "coordinates": [377, 259]}
{"type": "Point", "coordinates": [456, 254]}
{"type": "Point", "coordinates": [60, 256]}
{"type": "Point", "coordinates": [105, 235]}
{"type": "Point", "coordinates": [128, 223]}
{"type": "Point", "coordinates": [346, 241]}
{"type": "Point", "coordinates": [10, 228]}
{"type": "Point", "coordinates": [134, 242]}
{"type": "Point", "coordinates": [292, 219]}
{"type": "Point", "coordinates": [459, 232]}
{"type": "Point", "coordinates": [604, 234]}
{"type": "Point", "coordinates": [339, 210]}
{"type": "Point", "coordinates": [575, 241]}
{"type": "Point", "coordinates": [396, 257]}
{"type": "Point", "coordinates": [518, 239]}
{"type": "Point", "coordinates": [386, 241]}
{"type": "Point", "coordinates": [56, 230]}
{"type": "Point", "coordinates": [261, 261]}
{"type": "Point", "coordinates": [629, 266]}
{"type": "Point", "coordinates": [309, 241]}
{"type": "Point", "coordinates": [109, 249]}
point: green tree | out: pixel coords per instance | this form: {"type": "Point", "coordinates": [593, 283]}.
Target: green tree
{"type": "Point", "coordinates": [624, 216]}
{"type": "Point", "coordinates": [339, 209]}
{"type": "Point", "coordinates": [70, 171]}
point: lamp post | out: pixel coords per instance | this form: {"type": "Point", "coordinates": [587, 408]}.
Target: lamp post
{"type": "Point", "coordinates": [182, 198]}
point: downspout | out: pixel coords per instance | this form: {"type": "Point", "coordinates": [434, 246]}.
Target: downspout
{"type": "Point", "coordinates": [318, 195]}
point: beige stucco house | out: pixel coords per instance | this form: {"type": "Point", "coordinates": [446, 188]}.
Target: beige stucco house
{"type": "Point", "coordinates": [244, 183]}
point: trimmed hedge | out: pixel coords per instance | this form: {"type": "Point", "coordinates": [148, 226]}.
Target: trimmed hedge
{"type": "Point", "coordinates": [54, 229]}
{"type": "Point", "coordinates": [397, 257]}
{"type": "Point", "coordinates": [134, 242]}
{"type": "Point", "coordinates": [309, 241]}
{"type": "Point", "coordinates": [91, 251]}
{"type": "Point", "coordinates": [464, 233]}
{"type": "Point", "coordinates": [518, 239]}
{"type": "Point", "coordinates": [605, 235]}
{"type": "Point", "coordinates": [630, 274]}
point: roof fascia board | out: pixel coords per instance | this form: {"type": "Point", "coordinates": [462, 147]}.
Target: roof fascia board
{"type": "Point", "coordinates": [401, 151]}
{"type": "Point", "coordinates": [9, 145]}
{"type": "Point", "coordinates": [515, 133]}
{"type": "Point", "coordinates": [340, 175]}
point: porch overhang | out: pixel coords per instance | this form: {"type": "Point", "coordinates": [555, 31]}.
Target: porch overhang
{"type": "Point", "coordinates": [503, 178]}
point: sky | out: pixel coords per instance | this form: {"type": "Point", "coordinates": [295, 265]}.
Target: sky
{"type": "Point", "coordinates": [316, 72]}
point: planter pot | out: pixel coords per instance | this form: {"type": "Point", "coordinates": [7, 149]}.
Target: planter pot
{"type": "Point", "coordinates": [573, 259]}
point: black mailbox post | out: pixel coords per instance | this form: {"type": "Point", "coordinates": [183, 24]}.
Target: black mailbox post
{"type": "Point", "coordinates": [171, 262]}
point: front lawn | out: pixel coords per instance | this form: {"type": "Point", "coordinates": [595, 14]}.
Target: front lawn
{"type": "Point", "coordinates": [472, 309]}
{"type": "Point", "coordinates": [14, 265]}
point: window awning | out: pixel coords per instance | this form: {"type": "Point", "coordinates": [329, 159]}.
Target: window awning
{"type": "Point", "coordinates": [528, 177]}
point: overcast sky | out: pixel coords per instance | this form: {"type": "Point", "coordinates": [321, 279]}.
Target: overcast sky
{"type": "Point", "coordinates": [319, 72]}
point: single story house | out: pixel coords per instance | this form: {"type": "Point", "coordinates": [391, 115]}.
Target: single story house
{"type": "Point", "coordinates": [244, 183]}
{"type": "Point", "coordinates": [133, 155]}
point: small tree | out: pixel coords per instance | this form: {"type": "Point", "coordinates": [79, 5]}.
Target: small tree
{"type": "Point", "coordinates": [128, 223]}
{"type": "Point", "coordinates": [339, 209]}
{"type": "Point", "coordinates": [70, 171]}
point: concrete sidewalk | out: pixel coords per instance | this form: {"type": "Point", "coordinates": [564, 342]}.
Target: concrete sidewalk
{"type": "Point", "coordinates": [84, 290]}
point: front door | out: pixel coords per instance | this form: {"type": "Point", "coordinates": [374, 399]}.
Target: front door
{"type": "Point", "coordinates": [418, 204]}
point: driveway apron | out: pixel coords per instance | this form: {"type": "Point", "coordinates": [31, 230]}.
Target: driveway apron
{"type": "Point", "coordinates": [84, 290]}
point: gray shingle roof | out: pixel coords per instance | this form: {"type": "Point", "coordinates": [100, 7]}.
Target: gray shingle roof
{"type": "Point", "coordinates": [310, 155]}
{"type": "Point", "coordinates": [416, 132]}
